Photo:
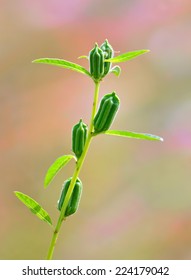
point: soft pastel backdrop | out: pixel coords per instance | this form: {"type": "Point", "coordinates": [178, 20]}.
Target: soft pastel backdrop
{"type": "Point", "coordinates": [136, 202]}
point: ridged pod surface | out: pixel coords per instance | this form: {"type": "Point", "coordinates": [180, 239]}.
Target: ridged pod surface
{"type": "Point", "coordinates": [79, 135]}
{"type": "Point", "coordinates": [106, 112]}
{"type": "Point", "coordinates": [108, 53]}
{"type": "Point", "coordinates": [74, 199]}
{"type": "Point", "coordinates": [96, 58]}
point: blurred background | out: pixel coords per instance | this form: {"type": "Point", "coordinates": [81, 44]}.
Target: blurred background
{"type": "Point", "coordinates": [136, 201]}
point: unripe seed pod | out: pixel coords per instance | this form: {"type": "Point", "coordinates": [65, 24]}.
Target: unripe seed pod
{"type": "Point", "coordinates": [106, 112]}
{"type": "Point", "coordinates": [74, 201]}
{"type": "Point", "coordinates": [79, 135]}
{"type": "Point", "coordinates": [96, 57]}
{"type": "Point", "coordinates": [108, 53]}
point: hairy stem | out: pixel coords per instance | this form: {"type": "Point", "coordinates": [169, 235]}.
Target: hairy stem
{"type": "Point", "coordinates": [78, 167]}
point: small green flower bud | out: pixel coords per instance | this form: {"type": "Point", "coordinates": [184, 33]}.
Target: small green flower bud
{"type": "Point", "coordinates": [96, 57]}
{"type": "Point", "coordinates": [79, 135]}
{"type": "Point", "coordinates": [74, 201]}
{"type": "Point", "coordinates": [106, 112]}
{"type": "Point", "coordinates": [108, 53]}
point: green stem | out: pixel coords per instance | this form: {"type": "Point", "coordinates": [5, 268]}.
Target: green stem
{"type": "Point", "coordinates": [78, 167]}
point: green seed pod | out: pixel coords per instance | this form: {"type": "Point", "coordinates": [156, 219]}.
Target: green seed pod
{"type": "Point", "coordinates": [108, 53]}
{"type": "Point", "coordinates": [106, 112]}
{"type": "Point", "coordinates": [79, 135]}
{"type": "Point", "coordinates": [96, 57]}
{"type": "Point", "coordinates": [74, 201]}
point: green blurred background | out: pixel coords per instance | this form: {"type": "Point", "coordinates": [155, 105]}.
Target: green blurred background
{"type": "Point", "coordinates": [136, 202]}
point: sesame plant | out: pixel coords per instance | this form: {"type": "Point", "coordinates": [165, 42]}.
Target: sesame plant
{"type": "Point", "coordinates": [100, 60]}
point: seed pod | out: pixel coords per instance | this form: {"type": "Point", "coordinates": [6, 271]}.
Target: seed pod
{"type": "Point", "coordinates": [96, 57]}
{"type": "Point", "coordinates": [79, 135]}
{"type": "Point", "coordinates": [106, 112]}
{"type": "Point", "coordinates": [108, 53]}
{"type": "Point", "coordinates": [74, 201]}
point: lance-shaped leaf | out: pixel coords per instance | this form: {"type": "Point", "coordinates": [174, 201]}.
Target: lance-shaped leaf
{"type": "Point", "coordinates": [83, 56]}
{"type": "Point", "coordinates": [130, 134]}
{"type": "Point", "coordinates": [34, 207]}
{"type": "Point", "coordinates": [64, 64]}
{"type": "Point", "coordinates": [116, 70]}
{"type": "Point", "coordinates": [126, 56]}
{"type": "Point", "coordinates": [55, 167]}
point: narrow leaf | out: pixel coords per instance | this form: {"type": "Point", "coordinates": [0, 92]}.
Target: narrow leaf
{"type": "Point", "coordinates": [116, 70]}
{"type": "Point", "coordinates": [131, 134]}
{"type": "Point", "coordinates": [55, 167]}
{"type": "Point", "coordinates": [34, 207]}
{"type": "Point", "coordinates": [127, 56]}
{"type": "Point", "coordinates": [63, 63]}
{"type": "Point", "coordinates": [83, 56]}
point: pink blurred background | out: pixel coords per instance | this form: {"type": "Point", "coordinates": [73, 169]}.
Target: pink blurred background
{"type": "Point", "coordinates": [136, 202]}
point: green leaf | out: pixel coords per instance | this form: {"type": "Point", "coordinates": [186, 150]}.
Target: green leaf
{"type": "Point", "coordinates": [55, 167]}
{"type": "Point", "coordinates": [127, 56]}
{"type": "Point", "coordinates": [116, 70]}
{"type": "Point", "coordinates": [63, 63]}
{"type": "Point", "coordinates": [34, 207]}
{"type": "Point", "coordinates": [83, 56]}
{"type": "Point", "coordinates": [131, 134]}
